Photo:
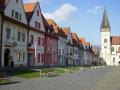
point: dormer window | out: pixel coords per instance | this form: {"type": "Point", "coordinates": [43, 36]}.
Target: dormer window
{"type": "Point", "coordinates": [37, 25]}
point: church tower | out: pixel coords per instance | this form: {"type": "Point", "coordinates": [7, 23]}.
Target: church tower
{"type": "Point", "coordinates": [105, 39]}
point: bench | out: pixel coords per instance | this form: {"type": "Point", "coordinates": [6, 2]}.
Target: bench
{"type": "Point", "coordinates": [47, 72]}
{"type": "Point", "coordinates": [2, 76]}
{"type": "Point", "coordinates": [67, 70]}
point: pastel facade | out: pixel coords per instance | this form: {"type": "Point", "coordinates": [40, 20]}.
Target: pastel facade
{"type": "Point", "coordinates": [51, 44]}
{"type": "Point", "coordinates": [76, 46]}
{"type": "Point", "coordinates": [69, 46]}
{"type": "Point", "coordinates": [28, 39]}
{"type": "Point", "coordinates": [62, 50]}
{"type": "Point", "coordinates": [36, 34]}
{"type": "Point", "coordinates": [14, 41]}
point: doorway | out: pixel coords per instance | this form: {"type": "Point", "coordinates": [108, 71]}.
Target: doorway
{"type": "Point", "coordinates": [6, 57]}
{"type": "Point", "coordinates": [30, 59]}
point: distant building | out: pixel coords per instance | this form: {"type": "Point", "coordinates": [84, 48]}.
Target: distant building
{"type": "Point", "coordinates": [51, 44]}
{"type": "Point", "coordinates": [110, 45]}
{"type": "Point", "coordinates": [69, 46]}
{"type": "Point", "coordinates": [76, 47]}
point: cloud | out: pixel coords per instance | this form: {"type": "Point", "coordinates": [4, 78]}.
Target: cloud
{"type": "Point", "coordinates": [63, 13]}
{"type": "Point", "coordinates": [95, 10]}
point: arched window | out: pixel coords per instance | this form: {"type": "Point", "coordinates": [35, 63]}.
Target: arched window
{"type": "Point", "coordinates": [105, 40]}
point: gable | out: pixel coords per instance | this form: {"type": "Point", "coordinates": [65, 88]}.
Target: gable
{"type": "Point", "coordinates": [69, 37]}
{"type": "Point", "coordinates": [37, 18]}
{"type": "Point", "coordinates": [15, 10]}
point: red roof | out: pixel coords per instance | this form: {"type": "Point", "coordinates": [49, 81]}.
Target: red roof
{"type": "Point", "coordinates": [115, 40]}
{"type": "Point", "coordinates": [29, 9]}
{"type": "Point", "coordinates": [65, 30]}
{"type": "Point", "coordinates": [75, 38]}
{"type": "Point", "coordinates": [82, 40]}
{"type": "Point", "coordinates": [87, 44]}
{"type": "Point", "coordinates": [61, 33]}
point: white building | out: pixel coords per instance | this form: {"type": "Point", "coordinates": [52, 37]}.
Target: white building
{"type": "Point", "coordinates": [110, 45]}
{"type": "Point", "coordinates": [76, 46]}
{"type": "Point", "coordinates": [87, 54]}
{"type": "Point", "coordinates": [36, 33]}
{"type": "Point", "coordinates": [14, 42]}
{"type": "Point", "coordinates": [61, 48]}
{"type": "Point", "coordinates": [69, 46]}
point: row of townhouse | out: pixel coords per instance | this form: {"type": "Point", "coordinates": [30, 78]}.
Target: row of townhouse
{"type": "Point", "coordinates": [28, 39]}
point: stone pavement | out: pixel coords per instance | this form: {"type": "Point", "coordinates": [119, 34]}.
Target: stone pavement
{"type": "Point", "coordinates": [104, 78]}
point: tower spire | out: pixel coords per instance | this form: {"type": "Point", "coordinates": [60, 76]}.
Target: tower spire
{"type": "Point", "coordinates": [105, 22]}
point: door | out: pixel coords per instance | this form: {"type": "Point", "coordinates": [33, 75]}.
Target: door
{"type": "Point", "coordinates": [6, 57]}
{"type": "Point", "coordinates": [30, 59]}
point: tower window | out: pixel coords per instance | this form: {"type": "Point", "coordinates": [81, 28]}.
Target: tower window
{"type": "Point", "coordinates": [105, 46]}
{"type": "Point", "coordinates": [105, 40]}
{"type": "Point", "coordinates": [112, 49]}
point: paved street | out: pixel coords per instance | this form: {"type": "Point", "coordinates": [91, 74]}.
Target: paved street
{"type": "Point", "coordinates": [104, 78]}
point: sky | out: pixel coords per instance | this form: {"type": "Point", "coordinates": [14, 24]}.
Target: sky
{"type": "Point", "coordinates": [84, 17]}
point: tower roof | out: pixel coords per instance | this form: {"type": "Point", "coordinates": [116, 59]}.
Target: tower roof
{"type": "Point", "coordinates": [105, 22]}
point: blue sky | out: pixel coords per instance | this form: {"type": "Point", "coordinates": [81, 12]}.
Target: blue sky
{"type": "Point", "coordinates": [83, 16]}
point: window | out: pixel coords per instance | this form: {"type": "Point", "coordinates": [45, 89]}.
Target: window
{"type": "Point", "coordinates": [37, 12]}
{"type": "Point", "coordinates": [32, 37]}
{"type": "Point", "coordinates": [39, 40]}
{"type": "Point", "coordinates": [105, 40]}
{"type": "Point", "coordinates": [38, 25]}
{"type": "Point", "coordinates": [113, 59]}
{"type": "Point", "coordinates": [23, 37]}
{"type": "Point", "coordinates": [42, 55]}
{"type": "Point", "coordinates": [20, 17]}
{"type": "Point", "coordinates": [43, 41]}
{"type": "Point", "coordinates": [19, 36]}
{"type": "Point", "coordinates": [18, 56]}
{"type": "Point", "coordinates": [22, 57]}
{"type": "Point", "coordinates": [105, 46]}
{"type": "Point", "coordinates": [7, 33]}
{"type": "Point", "coordinates": [16, 15]}
{"type": "Point", "coordinates": [12, 13]}
{"type": "Point", "coordinates": [112, 49]}
{"type": "Point", "coordinates": [38, 57]}
{"type": "Point", "coordinates": [35, 24]}
{"type": "Point", "coordinates": [16, 1]}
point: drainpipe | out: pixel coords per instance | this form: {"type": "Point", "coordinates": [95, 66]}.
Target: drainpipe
{"type": "Point", "coordinates": [28, 45]}
{"type": "Point", "coordinates": [1, 34]}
